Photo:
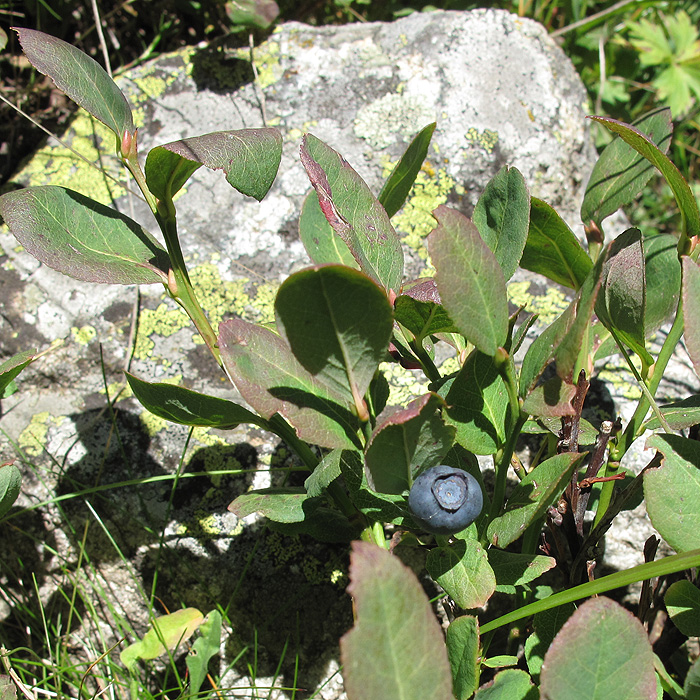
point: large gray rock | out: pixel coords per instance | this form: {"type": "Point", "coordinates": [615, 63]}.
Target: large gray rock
{"type": "Point", "coordinates": [501, 93]}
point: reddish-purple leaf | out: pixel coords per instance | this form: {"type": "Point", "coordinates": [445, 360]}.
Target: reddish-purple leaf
{"type": "Point", "coordinates": [551, 399]}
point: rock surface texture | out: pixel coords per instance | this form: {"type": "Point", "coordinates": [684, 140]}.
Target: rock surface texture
{"type": "Point", "coordinates": [501, 93]}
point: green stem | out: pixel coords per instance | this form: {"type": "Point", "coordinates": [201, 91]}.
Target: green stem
{"type": "Point", "coordinates": [429, 368]}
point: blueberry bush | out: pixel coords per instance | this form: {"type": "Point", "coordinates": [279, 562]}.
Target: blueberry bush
{"type": "Point", "coordinates": [389, 480]}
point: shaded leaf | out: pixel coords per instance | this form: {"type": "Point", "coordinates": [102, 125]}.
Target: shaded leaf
{"type": "Point", "coordinates": [399, 183]}
{"type": "Point", "coordinates": [551, 399]}
{"type": "Point", "coordinates": [672, 491]}
{"type": "Point", "coordinates": [470, 280]}
{"type": "Point", "coordinates": [327, 471]}
{"type": "Point", "coordinates": [691, 687]}
{"type": "Point", "coordinates": [396, 648]}
{"type": "Point", "coordinates": [682, 602]}
{"type": "Point", "coordinates": [82, 238]}
{"type": "Point", "coordinates": [691, 310]}
{"type": "Point", "coordinates": [321, 242]}
{"type": "Point", "coordinates": [532, 496]}
{"type": "Point", "coordinates": [662, 280]}
{"type": "Point", "coordinates": [502, 217]}
{"type": "Point", "coordinates": [10, 486]}
{"type": "Point", "coordinates": [250, 158]}
{"type": "Point", "coordinates": [511, 684]}
{"type": "Point", "coordinates": [165, 632]}
{"type": "Point", "coordinates": [338, 323]}
{"type": "Point", "coordinates": [687, 204]}
{"type": "Point", "coordinates": [82, 78]}
{"type": "Point", "coordinates": [283, 505]}
{"type": "Point", "coordinates": [272, 380]}
{"type": "Point", "coordinates": [477, 405]}
{"type": "Point", "coordinates": [354, 213]}
{"type": "Point", "coordinates": [11, 367]}
{"type": "Point", "coordinates": [620, 173]}
{"type": "Point", "coordinates": [601, 652]}
{"type": "Point", "coordinates": [180, 405]}
{"type": "Point", "coordinates": [259, 14]}
{"type": "Point", "coordinates": [407, 441]}
{"type": "Point", "coordinates": [679, 415]}
{"type": "Point", "coordinates": [512, 569]}
{"type": "Point", "coordinates": [166, 172]}
{"type": "Point", "coordinates": [462, 640]}
{"type": "Point", "coordinates": [423, 317]}
{"type": "Point", "coordinates": [463, 570]}
{"type": "Point", "coordinates": [546, 624]}
{"type": "Point", "coordinates": [621, 302]}
{"type": "Point", "coordinates": [552, 249]}
{"type": "Point", "coordinates": [205, 647]}
{"type": "Point", "coordinates": [322, 523]}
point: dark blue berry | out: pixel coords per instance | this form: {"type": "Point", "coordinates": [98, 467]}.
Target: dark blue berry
{"type": "Point", "coordinates": [445, 500]}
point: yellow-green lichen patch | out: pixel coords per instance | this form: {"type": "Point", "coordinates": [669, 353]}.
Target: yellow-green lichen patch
{"type": "Point", "coordinates": [415, 221]}
{"type": "Point", "coordinates": [58, 165]}
{"type": "Point", "coordinates": [152, 424]}
{"type": "Point", "coordinates": [404, 385]}
{"type": "Point", "coordinates": [548, 306]}
{"type": "Point", "coordinates": [83, 335]}
{"type": "Point", "coordinates": [267, 62]}
{"type": "Point", "coordinates": [163, 321]}
{"type": "Point", "coordinates": [485, 139]}
{"type": "Point", "coordinates": [383, 121]}
{"type": "Point", "coordinates": [32, 440]}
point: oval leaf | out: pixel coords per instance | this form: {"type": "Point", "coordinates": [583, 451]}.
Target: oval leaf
{"type": "Point", "coordinates": [409, 440]}
{"type": "Point", "coordinates": [82, 78]}
{"type": "Point", "coordinates": [283, 505]}
{"type": "Point", "coordinates": [250, 158]}
{"type": "Point", "coordinates": [396, 648]}
{"type": "Point", "coordinates": [512, 684]}
{"type": "Point", "coordinates": [10, 486]}
{"type": "Point", "coordinates": [338, 323]}
{"type": "Point", "coordinates": [662, 275]}
{"type": "Point", "coordinates": [620, 173]}
{"type": "Point", "coordinates": [272, 380]}
{"type": "Point", "coordinates": [470, 280]}
{"type": "Point", "coordinates": [552, 249]}
{"type": "Point", "coordinates": [513, 569]}
{"type": "Point", "coordinates": [601, 652]}
{"type": "Point", "coordinates": [672, 491]}
{"type": "Point", "coordinates": [691, 310]}
{"type": "Point", "coordinates": [180, 405]}
{"type": "Point", "coordinates": [462, 640]}
{"type": "Point", "coordinates": [682, 602]}
{"type": "Point", "coordinates": [82, 238]}
{"type": "Point", "coordinates": [354, 213]}
{"type": "Point", "coordinates": [502, 217]}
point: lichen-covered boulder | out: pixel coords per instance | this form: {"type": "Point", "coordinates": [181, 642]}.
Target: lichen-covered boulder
{"type": "Point", "coordinates": [501, 92]}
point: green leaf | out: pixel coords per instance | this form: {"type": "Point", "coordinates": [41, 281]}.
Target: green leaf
{"type": "Point", "coordinates": [321, 242]}
{"type": "Point", "coordinates": [338, 324]}
{"type": "Point", "coordinates": [283, 505]}
{"type": "Point", "coordinates": [463, 570]}
{"type": "Point", "coordinates": [546, 624]}
{"type": "Point", "coordinates": [511, 684]}
{"type": "Point", "coordinates": [354, 213]}
{"type": "Point", "coordinates": [10, 486]}
{"type": "Point", "coordinates": [82, 238]}
{"type": "Point", "coordinates": [682, 602]}
{"type": "Point", "coordinates": [470, 280]}
{"type": "Point", "coordinates": [258, 14]}
{"type": "Point", "coordinates": [250, 158]}
{"type": "Point", "coordinates": [205, 647]}
{"type": "Point", "coordinates": [180, 405]}
{"type": "Point", "coordinates": [690, 216]}
{"type": "Point", "coordinates": [477, 405]}
{"type": "Point", "coordinates": [396, 648]}
{"type": "Point", "coordinates": [327, 471]}
{"type": "Point", "coordinates": [532, 496]}
{"type": "Point", "coordinates": [419, 310]}
{"type": "Point", "coordinates": [11, 367]}
{"type": "Point", "coordinates": [662, 274]}
{"type": "Point", "coordinates": [621, 302]}
{"type": "Point", "coordinates": [462, 640]}
{"type": "Point", "coordinates": [679, 415]}
{"type": "Point", "coordinates": [569, 347]}
{"type": "Point", "coordinates": [502, 217]}
{"type": "Point", "coordinates": [620, 173]}
{"type": "Point", "coordinates": [272, 380]}
{"type": "Point", "coordinates": [672, 491]}
{"type": "Point", "coordinates": [166, 172]}
{"type": "Point", "coordinates": [407, 441]}
{"type": "Point", "coordinates": [513, 569]}
{"type": "Point", "coordinates": [551, 399]}
{"type": "Point", "coordinates": [165, 633]}
{"type": "Point", "coordinates": [397, 187]}
{"type": "Point", "coordinates": [552, 249]}
{"type": "Point", "coordinates": [692, 682]}
{"type": "Point", "coordinates": [601, 652]}
{"type": "Point", "coordinates": [323, 524]}
{"type": "Point", "coordinates": [691, 309]}
{"type": "Point", "coordinates": [82, 78]}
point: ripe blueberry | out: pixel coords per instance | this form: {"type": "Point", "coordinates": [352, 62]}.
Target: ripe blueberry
{"type": "Point", "coordinates": [445, 500]}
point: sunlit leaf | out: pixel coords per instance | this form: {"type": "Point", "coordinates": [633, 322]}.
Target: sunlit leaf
{"type": "Point", "coordinates": [691, 310]}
